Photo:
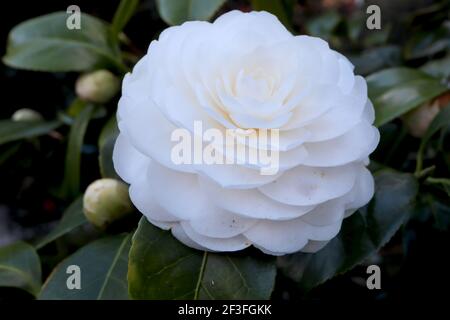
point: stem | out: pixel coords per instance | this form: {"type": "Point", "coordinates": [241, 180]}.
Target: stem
{"type": "Point", "coordinates": [123, 14]}
{"type": "Point", "coordinates": [444, 181]}
{"type": "Point", "coordinates": [419, 162]}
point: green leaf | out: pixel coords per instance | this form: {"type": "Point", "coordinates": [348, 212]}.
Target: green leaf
{"type": "Point", "coordinates": [375, 59]}
{"type": "Point", "coordinates": [396, 91]}
{"type": "Point", "coordinates": [324, 25]}
{"type": "Point", "coordinates": [160, 267]}
{"type": "Point", "coordinates": [427, 43]}
{"type": "Point", "coordinates": [439, 68]}
{"type": "Point", "coordinates": [441, 213]}
{"type": "Point", "coordinates": [71, 183]}
{"type": "Point", "coordinates": [175, 12]}
{"type": "Point", "coordinates": [123, 14]}
{"type": "Point", "coordinates": [376, 37]}
{"type": "Point", "coordinates": [275, 7]}
{"type": "Point", "coordinates": [15, 130]}
{"type": "Point", "coordinates": [20, 267]}
{"type": "Point", "coordinates": [362, 234]}
{"type": "Point", "coordinates": [106, 143]}
{"type": "Point", "coordinates": [355, 25]}
{"type": "Point", "coordinates": [46, 44]}
{"type": "Point", "coordinates": [441, 121]}
{"type": "Point", "coordinates": [72, 218]}
{"type": "Point", "coordinates": [103, 269]}
{"type": "Point", "coordinates": [443, 182]}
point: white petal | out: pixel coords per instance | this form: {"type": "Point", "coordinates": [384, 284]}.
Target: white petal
{"type": "Point", "coordinates": [128, 162]}
{"type": "Point", "coordinates": [369, 112]}
{"type": "Point", "coordinates": [314, 246]}
{"type": "Point", "coordinates": [143, 198]}
{"type": "Point", "coordinates": [288, 236]}
{"type": "Point", "coordinates": [305, 186]}
{"type": "Point", "coordinates": [346, 76]}
{"type": "Point", "coordinates": [236, 176]}
{"type": "Point", "coordinates": [216, 244]}
{"type": "Point", "coordinates": [246, 121]}
{"type": "Point", "coordinates": [251, 203]}
{"type": "Point", "coordinates": [345, 114]}
{"type": "Point", "coordinates": [319, 100]}
{"type": "Point", "coordinates": [362, 191]}
{"type": "Point", "coordinates": [221, 224]}
{"type": "Point", "coordinates": [280, 236]}
{"type": "Point", "coordinates": [178, 233]}
{"type": "Point", "coordinates": [162, 224]}
{"type": "Point", "coordinates": [328, 213]}
{"type": "Point", "coordinates": [177, 192]}
{"type": "Point", "coordinates": [150, 132]}
{"type": "Point", "coordinates": [355, 144]}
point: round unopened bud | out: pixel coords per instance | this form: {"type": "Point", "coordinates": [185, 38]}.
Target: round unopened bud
{"type": "Point", "coordinates": [26, 114]}
{"type": "Point", "coordinates": [99, 86]}
{"type": "Point", "coordinates": [105, 201]}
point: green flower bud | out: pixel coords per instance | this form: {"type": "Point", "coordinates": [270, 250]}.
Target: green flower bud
{"type": "Point", "coordinates": [105, 201]}
{"type": "Point", "coordinates": [26, 115]}
{"type": "Point", "coordinates": [99, 86]}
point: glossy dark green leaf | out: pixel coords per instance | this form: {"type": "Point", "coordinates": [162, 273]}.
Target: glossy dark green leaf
{"type": "Point", "coordinates": [46, 44]}
{"type": "Point", "coordinates": [106, 143]}
{"type": "Point", "coordinates": [375, 59]}
{"type": "Point", "coordinates": [362, 234]}
{"type": "Point", "coordinates": [20, 267]}
{"type": "Point", "coordinates": [160, 267]}
{"type": "Point", "coordinates": [123, 14]}
{"type": "Point", "coordinates": [426, 43]}
{"type": "Point", "coordinates": [276, 7]}
{"type": "Point", "coordinates": [15, 130]}
{"type": "Point", "coordinates": [441, 121]}
{"type": "Point", "coordinates": [71, 183]}
{"type": "Point", "coordinates": [396, 91]}
{"type": "Point", "coordinates": [439, 68]}
{"type": "Point", "coordinates": [176, 12]}
{"type": "Point", "coordinates": [103, 269]}
{"type": "Point", "coordinates": [72, 218]}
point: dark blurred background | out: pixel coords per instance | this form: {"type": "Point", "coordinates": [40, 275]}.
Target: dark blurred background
{"type": "Point", "coordinates": [414, 264]}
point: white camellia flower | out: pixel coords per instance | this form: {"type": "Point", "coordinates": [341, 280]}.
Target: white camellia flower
{"type": "Point", "coordinates": [247, 71]}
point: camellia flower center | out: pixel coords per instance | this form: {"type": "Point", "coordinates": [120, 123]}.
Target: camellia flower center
{"type": "Point", "coordinates": [256, 85]}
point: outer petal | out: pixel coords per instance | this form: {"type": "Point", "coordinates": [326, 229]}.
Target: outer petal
{"type": "Point", "coordinates": [303, 186]}
{"type": "Point", "coordinates": [178, 232]}
{"type": "Point", "coordinates": [143, 199]}
{"type": "Point", "coordinates": [216, 244]}
{"type": "Point", "coordinates": [221, 224]}
{"type": "Point", "coordinates": [314, 246]}
{"type": "Point", "coordinates": [128, 162]}
{"type": "Point", "coordinates": [288, 236]}
{"type": "Point", "coordinates": [251, 203]}
{"type": "Point", "coordinates": [356, 144]}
